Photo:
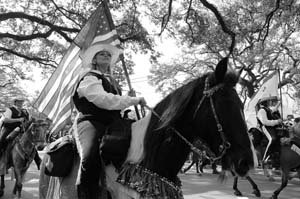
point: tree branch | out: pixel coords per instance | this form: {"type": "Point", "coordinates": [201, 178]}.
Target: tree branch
{"type": "Point", "coordinates": [61, 9]}
{"type": "Point", "coordinates": [267, 22]}
{"type": "Point", "coordinates": [166, 18]}
{"type": "Point", "coordinates": [6, 84]}
{"type": "Point", "coordinates": [37, 59]}
{"type": "Point", "coordinates": [59, 29]}
{"type": "Point", "coordinates": [222, 23]}
{"type": "Point", "coordinates": [187, 18]}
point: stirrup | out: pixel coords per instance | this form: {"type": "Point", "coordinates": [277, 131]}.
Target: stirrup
{"type": "Point", "coordinates": [266, 159]}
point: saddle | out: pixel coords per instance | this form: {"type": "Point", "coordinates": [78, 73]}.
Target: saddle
{"type": "Point", "coordinates": [116, 141]}
{"type": "Point", "coordinates": [113, 149]}
{"type": "Point", "coordinates": [60, 151]}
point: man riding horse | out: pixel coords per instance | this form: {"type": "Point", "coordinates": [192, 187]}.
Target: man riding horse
{"type": "Point", "coordinates": [12, 120]}
{"type": "Point", "coordinates": [268, 120]}
{"type": "Point", "coordinates": [99, 101]}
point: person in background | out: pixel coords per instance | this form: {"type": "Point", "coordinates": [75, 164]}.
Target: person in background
{"type": "Point", "coordinates": [267, 121]}
{"type": "Point", "coordinates": [11, 120]}
{"type": "Point", "coordinates": [99, 102]}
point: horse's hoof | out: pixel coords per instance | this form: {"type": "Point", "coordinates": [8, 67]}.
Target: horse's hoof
{"type": "Point", "coordinates": [256, 192]}
{"type": "Point", "coordinates": [273, 197]}
{"type": "Point", "coordinates": [215, 172]}
{"type": "Point", "coordinates": [14, 196]}
{"type": "Point", "coordinates": [1, 192]}
{"type": "Point", "coordinates": [238, 193]}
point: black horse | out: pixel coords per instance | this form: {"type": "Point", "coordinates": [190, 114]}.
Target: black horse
{"type": "Point", "coordinates": [260, 142]}
{"type": "Point", "coordinates": [289, 158]}
{"type": "Point", "coordinates": [207, 108]}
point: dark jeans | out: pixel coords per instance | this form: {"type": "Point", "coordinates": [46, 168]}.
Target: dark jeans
{"type": "Point", "coordinates": [3, 134]}
{"type": "Point", "coordinates": [87, 139]}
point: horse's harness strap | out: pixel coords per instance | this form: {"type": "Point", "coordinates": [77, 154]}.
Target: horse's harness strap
{"type": "Point", "coordinates": [22, 152]}
{"type": "Point", "coordinates": [208, 92]}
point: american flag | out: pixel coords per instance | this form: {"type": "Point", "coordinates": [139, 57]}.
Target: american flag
{"type": "Point", "coordinates": [55, 100]}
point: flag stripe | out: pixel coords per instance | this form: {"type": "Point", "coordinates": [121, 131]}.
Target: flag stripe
{"type": "Point", "coordinates": [64, 119]}
{"type": "Point", "coordinates": [54, 83]}
{"type": "Point", "coordinates": [109, 36]}
{"type": "Point", "coordinates": [54, 98]}
{"type": "Point", "coordinates": [67, 94]}
{"type": "Point", "coordinates": [64, 85]}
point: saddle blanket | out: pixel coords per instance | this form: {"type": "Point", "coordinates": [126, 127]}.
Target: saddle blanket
{"type": "Point", "coordinates": [295, 148]}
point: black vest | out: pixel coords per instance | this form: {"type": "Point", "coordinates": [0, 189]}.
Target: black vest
{"type": "Point", "coordinates": [269, 116]}
{"type": "Point", "coordinates": [91, 111]}
{"type": "Point", "coordinates": [16, 114]}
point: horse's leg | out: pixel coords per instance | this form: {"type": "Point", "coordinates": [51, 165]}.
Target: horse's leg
{"type": "Point", "coordinates": [2, 185]}
{"type": "Point", "coordinates": [197, 166]}
{"type": "Point", "coordinates": [19, 181]}
{"type": "Point", "coordinates": [214, 168]}
{"type": "Point", "coordinates": [267, 172]}
{"type": "Point", "coordinates": [186, 169]}
{"type": "Point", "coordinates": [237, 192]}
{"type": "Point", "coordinates": [15, 188]}
{"type": "Point", "coordinates": [256, 191]}
{"type": "Point", "coordinates": [204, 162]}
{"type": "Point", "coordinates": [284, 182]}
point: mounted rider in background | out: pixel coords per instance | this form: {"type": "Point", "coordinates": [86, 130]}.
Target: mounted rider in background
{"type": "Point", "coordinates": [11, 124]}
{"type": "Point", "coordinates": [268, 119]}
{"type": "Point", "coordinates": [12, 120]}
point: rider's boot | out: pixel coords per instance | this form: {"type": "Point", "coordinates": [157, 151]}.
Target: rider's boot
{"type": "Point", "coordinates": [3, 145]}
{"type": "Point", "coordinates": [214, 168]}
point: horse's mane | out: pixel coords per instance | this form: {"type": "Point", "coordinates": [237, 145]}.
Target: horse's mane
{"type": "Point", "coordinates": [172, 107]}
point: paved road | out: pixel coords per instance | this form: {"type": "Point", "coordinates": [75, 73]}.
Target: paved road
{"type": "Point", "coordinates": [206, 186]}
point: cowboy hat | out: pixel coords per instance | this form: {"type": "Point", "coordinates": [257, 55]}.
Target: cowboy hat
{"type": "Point", "coordinates": [89, 54]}
{"type": "Point", "coordinates": [267, 99]}
{"type": "Point", "coordinates": [19, 100]}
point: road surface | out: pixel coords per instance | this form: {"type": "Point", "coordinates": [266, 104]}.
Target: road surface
{"type": "Point", "coordinates": [194, 186]}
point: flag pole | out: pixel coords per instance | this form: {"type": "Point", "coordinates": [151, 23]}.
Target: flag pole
{"type": "Point", "coordinates": [280, 92]}
{"type": "Point", "coordinates": [129, 84]}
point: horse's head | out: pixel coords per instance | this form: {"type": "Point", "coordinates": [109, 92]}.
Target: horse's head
{"type": "Point", "coordinates": [218, 119]}
{"type": "Point", "coordinates": [31, 129]}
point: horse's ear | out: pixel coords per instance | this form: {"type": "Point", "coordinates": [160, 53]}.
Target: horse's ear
{"type": "Point", "coordinates": [221, 69]}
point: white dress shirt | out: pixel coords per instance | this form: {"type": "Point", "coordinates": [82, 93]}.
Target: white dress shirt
{"type": "Point", "coordinates": [92, 89]}
{"type": "Point", "coordinates": [262, 116]}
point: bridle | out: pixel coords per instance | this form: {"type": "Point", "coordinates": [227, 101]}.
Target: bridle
{"type": "Point", "coordinates": [207, 93]}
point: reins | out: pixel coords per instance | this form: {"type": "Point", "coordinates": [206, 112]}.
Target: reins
{"type": "Point", "coordinates": [207, 93]}
{"type": "Point", "coordinates": [20, 147]}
